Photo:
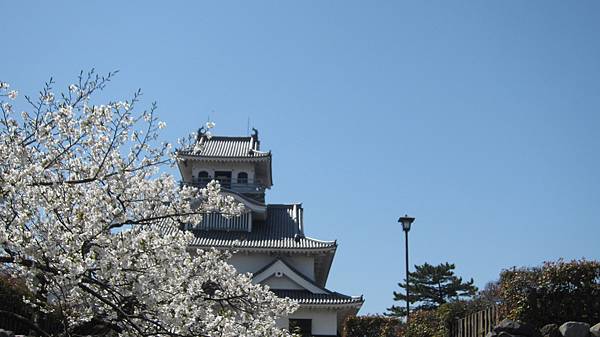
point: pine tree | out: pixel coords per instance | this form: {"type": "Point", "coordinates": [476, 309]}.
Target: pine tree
{"type": "Point", "coordinates": [431, 286]}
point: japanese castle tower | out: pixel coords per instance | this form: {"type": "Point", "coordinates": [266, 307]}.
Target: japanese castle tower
{"type": "Point", "coordinates": [269, 239]}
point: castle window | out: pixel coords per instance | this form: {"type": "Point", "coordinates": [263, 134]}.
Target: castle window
{"type": "Point", "coordinates": [224, 178]}
{"type": "Point", "coordinates": [203, 177]}
{"type": "Point", "coordinates": [242, 178]}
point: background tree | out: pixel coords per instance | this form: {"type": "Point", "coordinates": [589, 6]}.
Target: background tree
{"type": "Point", "coordinates": [490, 293]}
{"type": "Point", "coordinates": [91, 226]}
{"type": "Point", "coordinates": [430, 286]}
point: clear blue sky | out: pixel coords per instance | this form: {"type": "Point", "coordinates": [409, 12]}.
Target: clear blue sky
{"type": "Point", "coordinates": [481, 119]}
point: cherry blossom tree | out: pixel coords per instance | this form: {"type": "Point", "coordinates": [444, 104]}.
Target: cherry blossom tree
{"type": "Point", "coordinates": [81, 201]}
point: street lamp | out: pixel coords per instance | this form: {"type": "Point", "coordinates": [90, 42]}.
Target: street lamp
{"type": "Point", "coordinates": [406, 221]}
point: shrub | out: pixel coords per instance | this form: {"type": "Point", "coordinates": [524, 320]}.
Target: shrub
{"type": "Point", "coordinates": [372, 326]}
{"type": "Point", "coordinates": [425, 323]}
{"type": "Point", "coordinates": [438, 322]}
{"type": "Point", "coordinates": [553, 293]}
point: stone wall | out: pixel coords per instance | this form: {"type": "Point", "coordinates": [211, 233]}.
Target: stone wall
{"type": "Point", "coordinates": [509, 328]}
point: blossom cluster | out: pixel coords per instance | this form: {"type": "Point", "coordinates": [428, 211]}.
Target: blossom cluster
{"type": "Point", "coordinates": [81, 201]}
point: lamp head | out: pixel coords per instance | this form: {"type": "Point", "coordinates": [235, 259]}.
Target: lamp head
{"type": "Point", "coordinates": [406, 221]}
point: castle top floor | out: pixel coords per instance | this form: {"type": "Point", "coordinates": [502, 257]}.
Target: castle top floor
{"type": "Point", "coordinates": [236, 162]}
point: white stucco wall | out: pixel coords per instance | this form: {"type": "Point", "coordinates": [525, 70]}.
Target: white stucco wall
{"type": "Point", "coordinates": [211, 167]}
{"type": "Point", "coordinates": [186, 171]}
{"type": "Point", "coordinates": [252, 262]}
{"type": "Point", "coordinates": [324, 322]}
{"type": "Point", "coordinates": [194, 167]}
{"type": "Point", "coordinates": [304, 264]}
{"type": "Point", "coordinates": [246, 263]}
{"type": "Point", "coordinates": [282, 282]}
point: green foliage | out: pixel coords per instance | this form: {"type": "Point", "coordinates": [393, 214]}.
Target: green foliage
{"type": "Point", "coordinates": [425, 323]}
{"type": "Point", "coordinates": [490, 294]}
{"type": "Point", "coordinates": [372, 326]}
{"type": "Point", "coordinates": [431, 286]}
{"type": "Point", "coordinates": [438, 322]}
{"type": "Point", "coordinates": [12, 293]}
{"type": "Point", "coordinates": [12, 287]}
{"type": "Point", "coordinates": [553, 293]}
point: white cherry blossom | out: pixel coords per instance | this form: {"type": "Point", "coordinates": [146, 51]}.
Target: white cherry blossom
{"type": "Point", "coordinates": [84, 210]}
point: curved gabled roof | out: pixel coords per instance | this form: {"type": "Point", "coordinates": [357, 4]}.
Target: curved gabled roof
{"type": "Point", "coordinates": [312, 294]}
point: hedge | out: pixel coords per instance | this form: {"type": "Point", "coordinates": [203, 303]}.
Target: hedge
{"type": "Point", "coordinates": [438, 322]}
{"type": "Point", "coordinates": [372, 326]}
{"type": "Point", "coordinates": [553, 293]}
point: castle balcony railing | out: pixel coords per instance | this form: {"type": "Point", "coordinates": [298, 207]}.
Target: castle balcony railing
{"type": "Point", "coordinates": [241, 186]}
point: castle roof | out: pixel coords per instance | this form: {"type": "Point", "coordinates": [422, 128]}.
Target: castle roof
{"type": "Point", "coordinates": [305, 297]}
{"type": "Point", "coordinates": [227, 147]}
{"type": "Point", "coordinates": [282, 230]}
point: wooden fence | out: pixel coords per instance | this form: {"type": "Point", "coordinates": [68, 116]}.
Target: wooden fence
{"type": "Point", "coordinates": [477, 324]}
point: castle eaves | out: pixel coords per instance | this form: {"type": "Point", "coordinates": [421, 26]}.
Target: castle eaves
{"type": "Point", "coordinates": [307, 298]}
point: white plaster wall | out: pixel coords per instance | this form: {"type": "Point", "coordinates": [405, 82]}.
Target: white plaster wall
{"type": "Point", "coordinates": [186, 171]}
{"type": "Point", "coordinates": [211, 167]}
{"type": "Point", "coordinates": [281, 283]}
{"type": "Point", "coordinates": [324, 322]}
{"type": "Point", "coordinates": [302, 263]}
{"type": "Point", "coordinates": [246, 263]}
{"type": "Point", "coordinates": [252, 262]}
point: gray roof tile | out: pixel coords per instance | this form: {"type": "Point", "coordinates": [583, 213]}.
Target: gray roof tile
{"type": "Point", "coordinates": [306, 297]}
{"type": "Point", "coordinates": [281, 230]}
{"type": "Point", "coordinates": [230, 147]}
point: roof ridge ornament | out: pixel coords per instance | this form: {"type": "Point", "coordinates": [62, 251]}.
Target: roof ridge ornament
{"type": "Point", "coordinates": [256, 143]}
{"type": "Point", "coordinates": [201, 132]}
{"type": "Point", "coordinates": [204, 131]}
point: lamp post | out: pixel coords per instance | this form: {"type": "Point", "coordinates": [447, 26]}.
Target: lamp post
{"type": "Point", "coordinates": [406, 221]}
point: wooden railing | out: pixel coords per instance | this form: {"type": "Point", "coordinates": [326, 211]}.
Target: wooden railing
{"type": "Point", "coordinates": [477, 324]}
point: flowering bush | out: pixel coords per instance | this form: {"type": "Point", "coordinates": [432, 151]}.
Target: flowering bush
{"type": "Point", "coordinates": [80, 197]}
{"type": "Point", "coordinates": [553, 293]}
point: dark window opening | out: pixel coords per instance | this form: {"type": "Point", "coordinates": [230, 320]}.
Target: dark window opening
{"type": "Point", "coordinates": [302, 327]}
{"type": "Point", "coordinates": [224, 177]}
{"type": "Point", "coordinates": [203, 177]}
{"type": "Point", "coordinates": [242, 178]}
